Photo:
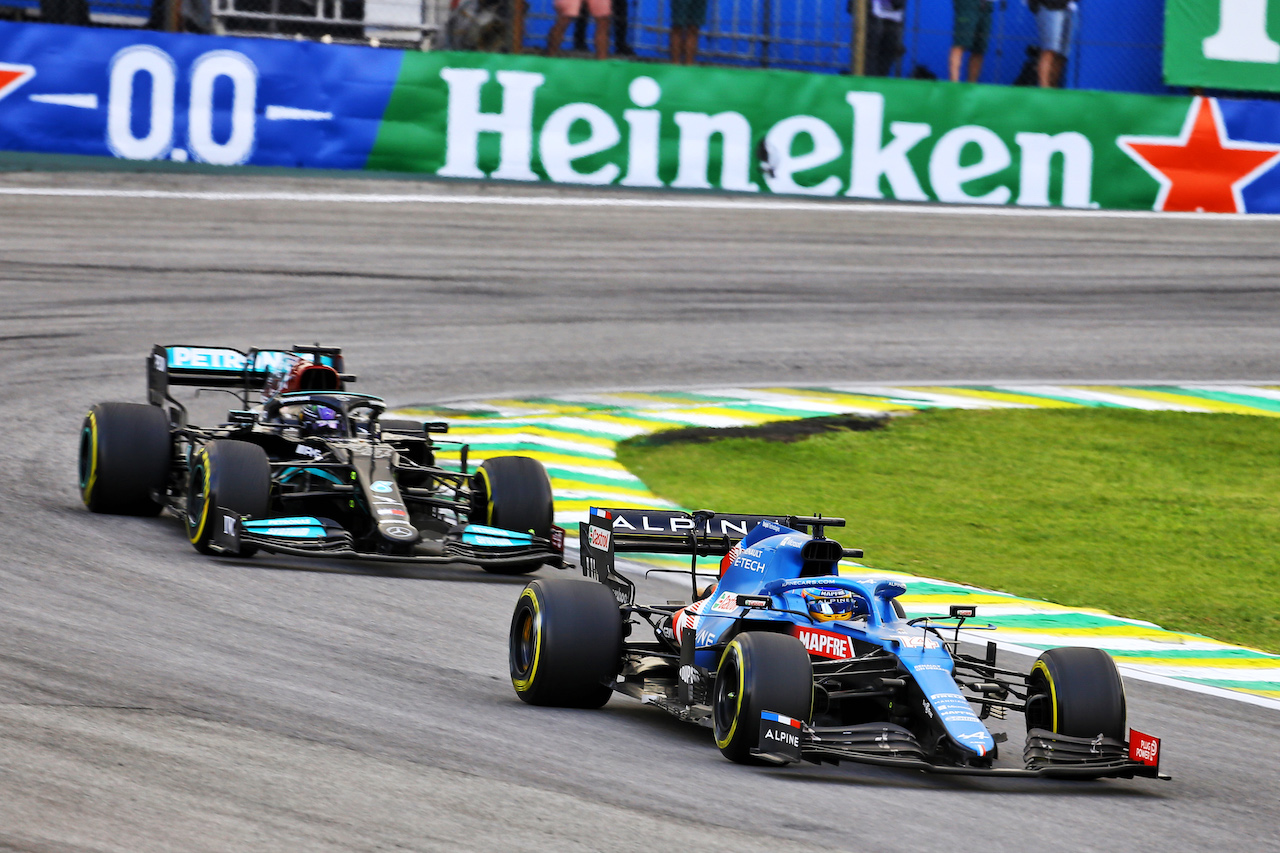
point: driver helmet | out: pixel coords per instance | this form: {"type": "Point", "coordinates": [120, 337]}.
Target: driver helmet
{"type": "Point", "coordinates": [318, 420]}
{"type": "Point", "coordinates": [828, 604]}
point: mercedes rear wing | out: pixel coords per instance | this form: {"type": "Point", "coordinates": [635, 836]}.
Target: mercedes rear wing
{"type": "Point", "coordinates": [224, 367]}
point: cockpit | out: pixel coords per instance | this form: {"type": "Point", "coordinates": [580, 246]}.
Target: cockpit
{"type": "Point", "coordinates": [328, 415]}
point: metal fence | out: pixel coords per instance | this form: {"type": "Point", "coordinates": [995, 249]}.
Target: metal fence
{"type": "Point", "coordinates": [811, 35]}
{"type": "Point", "coordinates": [128, 13]}
{"type": "Point", "coordinates": [1117, 47]}
{"type": "Point", "coordinates": [395, 23]}
{"type": "Point", "coordinates": [398, 23]}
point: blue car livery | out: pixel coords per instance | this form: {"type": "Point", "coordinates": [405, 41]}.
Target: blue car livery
{"type": "Point", "coordinates": [785, 659]}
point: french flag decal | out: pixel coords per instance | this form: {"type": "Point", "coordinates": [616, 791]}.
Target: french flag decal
{"type": "Point", "coordinates": [601, 513]}
{"type": "Point", "coordinates": [780, 719]}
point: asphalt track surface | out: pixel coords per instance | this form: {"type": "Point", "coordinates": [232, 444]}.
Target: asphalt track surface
{"type": "Point", "coordinates": [155, 700]}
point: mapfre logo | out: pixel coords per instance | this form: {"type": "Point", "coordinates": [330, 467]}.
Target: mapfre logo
{"type": "Point", "coordinates": [598, 537]}
{"type": "Point", "coordinates": [827, 644]}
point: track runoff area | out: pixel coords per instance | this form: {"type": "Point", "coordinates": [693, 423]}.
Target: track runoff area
{"type": "Point", "coordinates": [575, 436]}
{"type": "Point", "coordinates": [567, 197]}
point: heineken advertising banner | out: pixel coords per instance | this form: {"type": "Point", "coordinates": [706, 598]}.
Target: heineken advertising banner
{"type": "Point", "coordinates": [142, 95]}
{"type": "Point", "coordinates": [1223, 44]}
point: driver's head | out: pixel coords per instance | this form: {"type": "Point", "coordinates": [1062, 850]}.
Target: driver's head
{"type": "Point", "coordinates": [318, 420]}
{"type": "Point", "coordinates": [832, 604]}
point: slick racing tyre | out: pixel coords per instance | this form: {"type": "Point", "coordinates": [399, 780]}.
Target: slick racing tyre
{"type": "Point", "coordinates": [124, 458]}
{"type": "Point", "coordinates": [759, 672]}
{"type": "Point", "coordinates": [231, 474]}
{"type": "Point", "coordinates": [1076, 692]}
{"type": "Point", "coordinates": [565, 644]}
{"type": "Point", "coordinates": [513, 493]}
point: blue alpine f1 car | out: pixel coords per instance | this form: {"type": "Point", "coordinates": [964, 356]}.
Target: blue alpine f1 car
{"type": "Point", "coordinates": [786, 660]}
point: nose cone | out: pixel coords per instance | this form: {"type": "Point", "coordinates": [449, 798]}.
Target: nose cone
{"type": "Point", "coordinates": [399, 531]}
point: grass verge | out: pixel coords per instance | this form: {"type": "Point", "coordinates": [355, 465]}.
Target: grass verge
{"type": "Point", "coordinates": [1164, 516]}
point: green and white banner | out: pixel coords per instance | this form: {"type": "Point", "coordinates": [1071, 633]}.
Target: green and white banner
{"type": "Point", "coordinates": [1223, 44]}
{"type": "Point", "coordinates": [144, 95]}
{"type": "Point", "coordinates": [759, 131]}
{"type": "Point", "coordinates": [754, 131]}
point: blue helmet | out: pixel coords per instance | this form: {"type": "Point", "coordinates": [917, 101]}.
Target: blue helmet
{"type": "Point", "coordinates": [829, 604]}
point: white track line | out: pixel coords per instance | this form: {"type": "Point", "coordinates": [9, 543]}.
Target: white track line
{"type": "Point", "coordinates": [1144, 675]}
{"type": "Point", "coordinates": [687, 203]}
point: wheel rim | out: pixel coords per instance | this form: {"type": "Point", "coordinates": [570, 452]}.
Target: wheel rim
{"type": "Point", "coordinates": [524, 641]}
{"type": "Point", "coordinates": [1040, 712]}
{"type": "Point", "coordinates": [727, 698]}
{"type": "Point", "coordinates": [481, 499]}
{"type": "Point", "coordinates": [87, 459]}
{"type": "Point", "coordinates": [526, 631]}
{"type": "Point", "coordinates": [197, 495]}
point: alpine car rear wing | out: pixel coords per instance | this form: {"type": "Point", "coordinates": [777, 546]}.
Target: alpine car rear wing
{"type": "Point", "coordinates": [701, 533]}
{"type": "Point", "coordinates": [224, 367]}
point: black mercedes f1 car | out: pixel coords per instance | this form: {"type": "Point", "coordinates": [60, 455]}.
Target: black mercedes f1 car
{"type": "Point", "coordinates": [787, 660]}
{"type": "Point", "coordinates": [311, 469]}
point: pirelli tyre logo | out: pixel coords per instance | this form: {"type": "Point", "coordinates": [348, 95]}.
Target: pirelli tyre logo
{"type": "Point", "coordinates": [599, 537]}
{"type": "Point", "coordinates": [827, 644]}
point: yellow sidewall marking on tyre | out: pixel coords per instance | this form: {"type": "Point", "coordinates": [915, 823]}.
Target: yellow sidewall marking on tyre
{"type": "Point", "coordinates": [736, 648]}
{"type": "Point", "coordinates": [1053, 690]}
{"type": "Point", "coordinates": [204, 510]}
{"type": "Point", "coordinates": [86, 492]}
{"type": "Point", "coordinates": [522, 685]}
{"type": "Point", "coordinates": [488, 496]}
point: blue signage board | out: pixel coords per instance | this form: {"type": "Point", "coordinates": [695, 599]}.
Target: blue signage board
{"type": "Point", "coordinates": [146, 95]}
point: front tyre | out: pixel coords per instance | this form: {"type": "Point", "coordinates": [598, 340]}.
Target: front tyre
{"type": "Point", "coordinates": [124, 458]}
{"type": "Point", "coordinates": [231, 474]}
{"type": "Point", "coordinates": [565, 644]}
{"type": "Point", "coordinates": [513, 493]}
{"type": "Point", "coordinates": [759, 672]}
{"type": "Point", "coordinates": [1076, 692]}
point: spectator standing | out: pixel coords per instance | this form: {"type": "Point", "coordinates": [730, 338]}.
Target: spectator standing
{"type": "Point", "coordinates": [884, 36]}
{"type": "Point", "coordinates": [1056, 21]}
{"type": "Point", "coordinates": [567, 10]}
{"type": "Point", "coordinates": [621, 45]}
{"type": "Point", "coordinates": [969, 32]}
{"type": "Point", "coordinates": [687, 18]}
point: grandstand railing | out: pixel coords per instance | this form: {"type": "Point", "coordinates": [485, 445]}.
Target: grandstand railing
{"type": "Point", "coordinates": [1118, 48]}
{"type": "Point", "coordinates": [1118, 45]}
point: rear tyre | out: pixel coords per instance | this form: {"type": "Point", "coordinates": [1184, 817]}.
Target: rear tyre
{"type": "Point", "coordinates": [231, 474]}
{"type": "Point", "coordinates": [759, 672]}
{"type": "Point", "coordinates": [1076, 692]}
{"type": "Point", "coordinates": [513, 493]}
{"type": "Point", "coordinates": [565, 644]}
{"type": "Point", "coordinates": [124, 458]}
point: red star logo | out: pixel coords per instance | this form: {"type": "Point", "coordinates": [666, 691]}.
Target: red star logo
{"type": "Point", "coordinates": [1201, 169]}
{"type": "Point", "coordinates": [12, 76]}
